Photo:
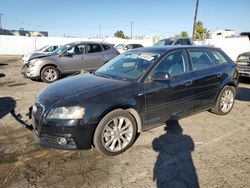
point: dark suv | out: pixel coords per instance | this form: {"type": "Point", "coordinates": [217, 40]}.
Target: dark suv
{"type": "Point", "coordinates": [132, 93]}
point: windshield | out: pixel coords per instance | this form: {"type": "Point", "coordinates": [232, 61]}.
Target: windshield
{"type": "Point", "coordinates": [42, 48]}
{"type": "Point", "coordinates": [163, 42]}
{"type": "Point", "coordinates": [128, 66]}
{"type": "Point", "coordinates": [60, 49]}
{"type": "Point", "coordinates": [119, 46]}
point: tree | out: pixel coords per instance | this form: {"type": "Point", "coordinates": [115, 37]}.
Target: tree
{"type": "Point", "coordinates": [200, 31]}
{"type": "Point", "coordinates": [119, 34]}
{"type": "Point", "coordinates": [183, 34]}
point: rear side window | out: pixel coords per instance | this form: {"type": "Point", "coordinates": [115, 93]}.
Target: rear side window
{"type": "Point", "coordinates": [200, 59]}
{"type": "Point", "coordinates": [93, 48]}
{"type": "Point", "coordinates": [179, 42]}
{"type": "Point", "coordinates": [187, 42]}
{"type": "Point", "coordinates": [219, 58]}
{"type": "Point", "coordinates": [106, 47]}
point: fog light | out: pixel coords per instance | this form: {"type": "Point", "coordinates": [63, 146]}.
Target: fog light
{"type": "Point", "coordinates": [62, 141]}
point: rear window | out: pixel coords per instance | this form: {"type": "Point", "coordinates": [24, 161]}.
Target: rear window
{"type": "Point", "coordinates": [219, 58]}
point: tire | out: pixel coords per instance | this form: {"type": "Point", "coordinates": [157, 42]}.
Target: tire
{"type": "Point", "coordinates": [115, 133]}
{"type": "Point", "coordinates": [49, 74]}
{"type": "Point", "coordinates": [225, 101]}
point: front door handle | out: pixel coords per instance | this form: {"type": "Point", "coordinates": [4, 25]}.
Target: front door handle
{"type": "Point", "coordinates": [219, 74]}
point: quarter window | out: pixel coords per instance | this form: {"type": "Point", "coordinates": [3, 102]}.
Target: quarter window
{"type": "Point", "coordinates": [219, 58]}
{"type": "Point", "coordinates": [106, 47]}
{"type": "Point", "coordinates": [174, 64]}
{"type": "Point", "coordinates": [201, 59]}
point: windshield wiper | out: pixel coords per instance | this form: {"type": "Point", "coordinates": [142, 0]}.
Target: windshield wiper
{"type": "Point", "coordinates": [103, 75]}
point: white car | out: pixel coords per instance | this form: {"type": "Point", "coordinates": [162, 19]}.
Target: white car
{"type": "Point", "coordinates": [40, 52]}
{"type": "Point", "coordinates": [124, 47]}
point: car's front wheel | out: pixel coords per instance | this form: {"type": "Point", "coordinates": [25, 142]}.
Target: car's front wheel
{"type": "Point", "coordinates": [49, 74]}
{"type": "Point", "coordinates": [115, 133]}
{"type": "Point", "coordinates": [225, 101]}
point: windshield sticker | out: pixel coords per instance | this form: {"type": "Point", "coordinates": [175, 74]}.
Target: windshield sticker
{"type": "Point", "coordinates": [146, 57]}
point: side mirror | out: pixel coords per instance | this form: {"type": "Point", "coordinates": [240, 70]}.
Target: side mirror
{"type": "Point", "coordinates": [125, 48]}
{"type": "Point", "coordinates": [160, 76]}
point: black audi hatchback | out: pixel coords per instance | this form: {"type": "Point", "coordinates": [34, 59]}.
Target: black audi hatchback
{"type": "Point", "coordinates": [134, 92]}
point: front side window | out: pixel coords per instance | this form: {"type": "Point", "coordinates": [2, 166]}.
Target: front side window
{"type": "Point", "coordinates": [175, 64]}
{"type": "Point", "coordinates": [200, 59]}
{"type": "Point", "coordinates": [128, 66]}
{"type": "Point", "coordinates": [76, 50]}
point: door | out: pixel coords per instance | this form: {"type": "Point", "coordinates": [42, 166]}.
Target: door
{"type": "Point", "coordinates": [207, 78]}
{"type": "Point", "coordinates": [94, 57]}
{"type": "Point", "coordinates": [171, 98]}
{"type": "Point", "coordinates": [72, 60]}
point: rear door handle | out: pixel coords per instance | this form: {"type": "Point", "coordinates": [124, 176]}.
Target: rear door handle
{"type": "Point", "coordinates": [188, 83]}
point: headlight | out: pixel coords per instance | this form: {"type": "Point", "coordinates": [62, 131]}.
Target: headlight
{"type": "Point", "coordinates": [75, 112]}
{"type": "Point", "coordinates": [32, 62]}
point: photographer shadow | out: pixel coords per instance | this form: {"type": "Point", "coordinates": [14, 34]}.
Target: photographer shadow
{"type": "Point", "coordinates": [174, 166]}
{"type": "Point", "coordinates": [6, 105]}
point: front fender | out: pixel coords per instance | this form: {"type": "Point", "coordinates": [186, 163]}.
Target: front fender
{"type": "Point", "coordinates": [94, 113]}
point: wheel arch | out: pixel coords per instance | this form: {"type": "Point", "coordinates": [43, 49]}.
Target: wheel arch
{"type": "Point", "coordinates": [130, 110]}
{"type": "Point", "coordinates": [50, 64]}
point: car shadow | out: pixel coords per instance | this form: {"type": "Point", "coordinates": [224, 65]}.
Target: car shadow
{"type": "Point", "coordinates": [6, 105]}
{"type": "Point", "coordinates": [174, 166]}
{"type": "Point", "coordinates": [2, 75]}
{"type": "Point", "coordinates": [243, 94]}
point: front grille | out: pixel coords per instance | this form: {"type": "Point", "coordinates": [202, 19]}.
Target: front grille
{"type": "Point", "coordinates": [38, 111]}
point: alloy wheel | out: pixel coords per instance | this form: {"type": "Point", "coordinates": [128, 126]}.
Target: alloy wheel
{"type": "Point", "coordinates": [117, 134]}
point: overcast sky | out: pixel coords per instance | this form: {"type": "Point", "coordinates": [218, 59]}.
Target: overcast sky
{"type": "Point", "coordinates": [149, 17]}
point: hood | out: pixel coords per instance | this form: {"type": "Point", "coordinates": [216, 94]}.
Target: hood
{"type": "Point", "coordinates": [85, 86]}
{"type": "Point", "coordinates": [39, 55]}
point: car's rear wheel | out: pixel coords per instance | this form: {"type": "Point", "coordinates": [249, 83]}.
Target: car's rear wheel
{"type": "Point", "coordinates": [225, 101]}
{"type": "Point", "coordinates": [115, 133]}
{"type": "Point", "coordinates": [49, 74]}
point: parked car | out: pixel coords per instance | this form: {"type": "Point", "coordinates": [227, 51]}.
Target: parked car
{"type": "Point", "coordinates": [132, 93]}
{"type": "Point", "coordinates": [173, 41]}
{"type": "Point", "coordinates": [68, 59]}
{"type": "Point", "coordinates": [124, 47]}
{"type": "Point", "coordinates": [243, 64]}
{"type": "Point", "coordinates": [39, 53]}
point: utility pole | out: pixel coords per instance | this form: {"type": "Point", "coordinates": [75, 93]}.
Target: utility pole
{"type": "Point", "coordinates": [195, 16]}
{"type": "Point", "coordinates": [131, 30]}
{"type": "Point", "coordinates": [1, 21]}
{"type": "Point", "coordinates": [99, 30]}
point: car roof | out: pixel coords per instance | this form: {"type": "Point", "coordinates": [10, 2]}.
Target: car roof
{"type": "Point", "coordinates": [87, 42]}
{"type": "Point", "coordinates": [165, 49]}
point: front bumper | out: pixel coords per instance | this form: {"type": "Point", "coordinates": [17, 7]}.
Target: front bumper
{"type": "Point", "coordinates": [243, 68]}
{"type": "Point", "coordinates": [30, 72]}
{"type": "Point", "coordinates": [51, 134]}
